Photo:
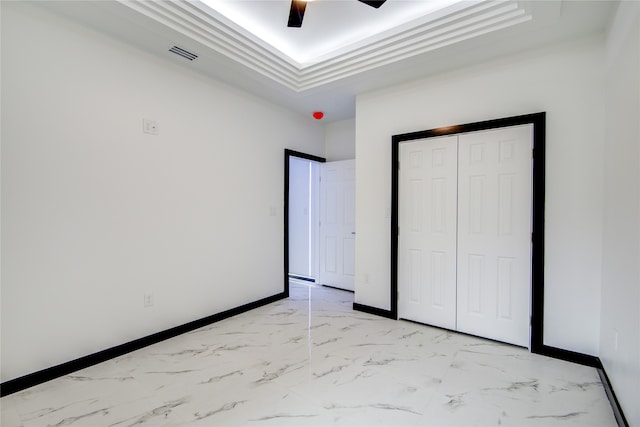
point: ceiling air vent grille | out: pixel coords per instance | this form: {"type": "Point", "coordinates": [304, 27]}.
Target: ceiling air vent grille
{"type": "Point", "coordinates": [184, 53]}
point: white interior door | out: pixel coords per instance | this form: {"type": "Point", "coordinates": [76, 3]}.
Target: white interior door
{"type": "Point", "coordinates": [337, 224]}
{"type": "Point", "coordinates": [464, 249]}
{"type": "Point", "coordinates": [494, 234]}
{"type": "Point", "coordinates": [427, 240]}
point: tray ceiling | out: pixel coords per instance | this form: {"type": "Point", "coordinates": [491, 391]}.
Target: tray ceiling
{"type": "Point", "coordinates": [343, 47]}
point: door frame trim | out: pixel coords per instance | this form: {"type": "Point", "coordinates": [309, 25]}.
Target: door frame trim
{"type": "Point", "coordinates": [287, 155]}
{"type": "Point", "coordinates": [538, 208]}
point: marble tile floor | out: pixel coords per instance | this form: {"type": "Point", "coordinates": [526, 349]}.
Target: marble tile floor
{"type": "Point", "coordinates": [311, 360]}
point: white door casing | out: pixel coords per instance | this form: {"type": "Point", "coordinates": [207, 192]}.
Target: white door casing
{"type": "Point", "coordinates": [427, 239]}
{"type": "Point", "coordinates": [337, 224]}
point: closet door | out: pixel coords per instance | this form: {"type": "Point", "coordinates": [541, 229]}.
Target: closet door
{"type": "Point", "coordinates": [427, 240]}
{"type": "Point", "coordinates": [494, 234]}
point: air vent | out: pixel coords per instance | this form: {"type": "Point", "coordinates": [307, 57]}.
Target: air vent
{"type": "Point", "coordinates": [184, 53]}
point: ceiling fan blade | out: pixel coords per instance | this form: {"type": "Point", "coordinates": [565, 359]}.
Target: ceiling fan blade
{"type": "Point", "coordinates": [296, 13]}
{"type": "Point", "coordinates": [373, 3]}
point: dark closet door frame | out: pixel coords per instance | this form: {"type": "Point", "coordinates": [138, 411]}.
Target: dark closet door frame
{"type": "Point", "coordinates": [538, 209]}
{"type": "Point", "coordinates": [287, 155]}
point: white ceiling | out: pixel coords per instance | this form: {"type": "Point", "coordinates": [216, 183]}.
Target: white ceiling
{"type": "Point", "coordinates": [344, 47]}
{"type": "Point", "coordinates": [329, 26]}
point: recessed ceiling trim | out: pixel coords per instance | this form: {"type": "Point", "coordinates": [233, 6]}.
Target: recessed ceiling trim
{"type": "Point", "coordinates": [428, 27]}
{"type": "Point", "coordinates": [415, 43]}
{"type": "Point", "coordinates": [399, 54]}
{"type": "Point", "coordinates": [199, 23]}
{"type": "Point", "coordinates": [418, 25]}
{"type": "Point", "coordinates": [252, 44]}
{"type": "Point", "coordinates": [224, 39]}
{"type": "Point", "coordinates": [422, 39]}
{"type": "Point", "coordinates": [212, 17]}
{"type": "Point", "coordinates": [218, 37]}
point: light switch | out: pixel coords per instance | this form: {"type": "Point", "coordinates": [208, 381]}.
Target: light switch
{"type": "Point", "coordinates": [150, 126]}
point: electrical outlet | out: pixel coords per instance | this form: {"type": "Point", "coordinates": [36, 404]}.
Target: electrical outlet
{"type": "Point", "coordinates": [148, 299]}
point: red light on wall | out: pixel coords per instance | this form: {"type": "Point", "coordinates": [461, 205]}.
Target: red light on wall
{"type": "Point", "coordinates": [318, 115]}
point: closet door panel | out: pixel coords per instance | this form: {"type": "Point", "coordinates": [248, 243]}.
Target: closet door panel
{"type": "Point", "coordinates": [427, 241]}
{"type": "Point", "coordinates": [494, 234]}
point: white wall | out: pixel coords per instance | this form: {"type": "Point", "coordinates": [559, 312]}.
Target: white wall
{"type": "Point", "coordinates": [95, 212]}
{"type": "Point", "coordinates": [621, 253]}
{"type": "Point", "coordinates": [340, 140]}
{"type": "Point", "coordinates": [566, 81]}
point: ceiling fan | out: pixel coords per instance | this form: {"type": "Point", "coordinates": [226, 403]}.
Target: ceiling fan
{"type": "Point", "coordinates": [296, 13]}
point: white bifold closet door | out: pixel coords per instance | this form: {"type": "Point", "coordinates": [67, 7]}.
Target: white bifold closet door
{"type": "Point", "coordinates": [465, 233]}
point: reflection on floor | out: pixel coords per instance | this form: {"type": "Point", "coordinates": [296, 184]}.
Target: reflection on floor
{"type": "Point", "coordinates": [312, 360]}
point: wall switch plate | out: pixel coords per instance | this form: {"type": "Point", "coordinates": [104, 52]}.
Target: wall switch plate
{"type": "Point", "coordinates": [150, 126]}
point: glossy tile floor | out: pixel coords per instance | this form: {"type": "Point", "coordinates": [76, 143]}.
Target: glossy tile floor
{"type": "Point", "coordinates": [311, 360]}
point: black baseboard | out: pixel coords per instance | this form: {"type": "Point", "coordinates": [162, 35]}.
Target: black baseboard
{"type": "Point", "coordinates": [374, 310]}
{"type": "Point", "coordinates": [306, 279]}
{"type": "Point", "coordinates": [39, 377]}
{"type": "Point", "coordinates": [339, 289]}
{"type": "Point", "coordinates": [569, 356]}
{"type": "Point", "coordinates": [613, 400]}
{"type": "Point", "coordinates": [594, 362]}
{"type": "Point", "coordinates": [544, 350]}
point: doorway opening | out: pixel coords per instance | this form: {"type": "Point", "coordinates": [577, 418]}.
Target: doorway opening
{"type": "Point", "coordinates": [301, 211]}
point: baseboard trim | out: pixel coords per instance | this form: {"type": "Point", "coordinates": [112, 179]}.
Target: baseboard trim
{"type": "Point", "coordinates": [613, 400]}
{"type": "Point", "coordinates": [48, 374]}
{"type": "Point", "coordinates": [338, 289]}
{"type": "Point", "coordinates": [544, 350]}
{"type": "Point", "coordinates": [567, 355]}
{"type": "Point", "coordinates": [374, 310]}
{"type": "Point", "coordinates": [305, 278]}
{"type": "Point", "coordinates": [593, 362]}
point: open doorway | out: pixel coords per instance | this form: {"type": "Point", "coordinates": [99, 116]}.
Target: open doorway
{"type": "Point", "coordinates": [319, 244]}
{"type": "Point", "coordinates": [301, 217]}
